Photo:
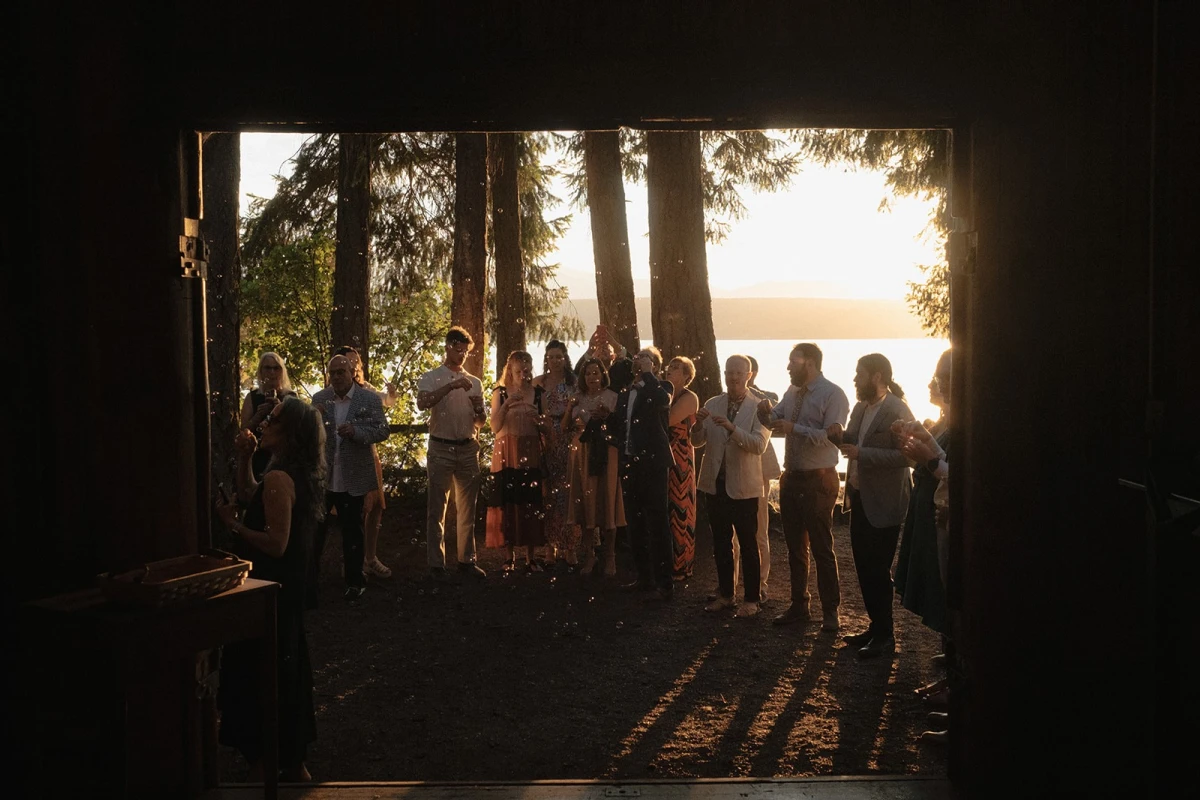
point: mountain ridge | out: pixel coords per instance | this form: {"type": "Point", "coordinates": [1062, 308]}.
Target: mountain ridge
{"type": "Point", "coordinates": [784, 317]}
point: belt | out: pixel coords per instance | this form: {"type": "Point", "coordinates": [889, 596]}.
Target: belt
{"type": "Point", "coordinates": [455, 442]}
{"type": "Point", "coordinates": [809, 471]}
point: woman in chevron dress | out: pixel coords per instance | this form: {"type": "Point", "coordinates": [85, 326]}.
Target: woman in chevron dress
{"type": "Point", "coordinates": [681, 487]}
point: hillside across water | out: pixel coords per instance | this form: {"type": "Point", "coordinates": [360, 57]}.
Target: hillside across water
{"type": "Point", "coordinates": [786, 318]}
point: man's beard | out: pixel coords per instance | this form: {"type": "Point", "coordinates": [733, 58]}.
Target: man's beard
{"type": "Point", "coordinates": [799, 379]}
{"type": "Point", "coordinates": [865, 393]}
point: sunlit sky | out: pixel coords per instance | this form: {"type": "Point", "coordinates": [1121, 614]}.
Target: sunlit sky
{"type": "Point", "coordinates": [823, 237]}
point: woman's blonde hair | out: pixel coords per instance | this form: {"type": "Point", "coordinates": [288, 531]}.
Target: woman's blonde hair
{"type": "Point", "coordinates": [284, 381]}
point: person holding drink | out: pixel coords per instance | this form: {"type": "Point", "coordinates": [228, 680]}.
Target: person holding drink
{"type": "Point", "coordinates": [271, 387]}
{"type": "Point", "coordinates": [595, 501]}
{"type": "Point", "coordinates": [276, 535]}
{"type": "Point", "coordinates": [454, 399]}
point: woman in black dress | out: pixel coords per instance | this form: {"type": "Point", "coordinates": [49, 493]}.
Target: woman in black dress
{"type": "Point", "coordinates": [276, 534]}
{"type": "Point", "coordinates": [271, 385]}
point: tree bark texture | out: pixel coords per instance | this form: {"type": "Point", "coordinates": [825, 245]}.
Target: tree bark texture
{"type": "Point", "coordinates": [469, 277]}
{"type": "Point", "coordinates": [610, 236]}
{"type": "Point", "coordinates": [219, 227]}
{"type": "Point", "coordinates": [680, 302]}
{"type": "Point", "coordinates": [506, 233]}
{"type": "Point", "coordinates": [351, 323]}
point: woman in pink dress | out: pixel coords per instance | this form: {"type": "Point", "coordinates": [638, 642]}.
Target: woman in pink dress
{"type": "Point", "coordinates": [516, 508]}
{"type": "Point", "coordinates": [681, 483]}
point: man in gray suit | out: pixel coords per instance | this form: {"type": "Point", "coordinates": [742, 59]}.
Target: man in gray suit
{"type": "Point", "coordinates": [878, 482]}
{"type": "Point", "coordinates": [354, 420]}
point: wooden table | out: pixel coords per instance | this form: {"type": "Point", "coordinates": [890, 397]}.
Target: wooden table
{"type": "Point", "coordinates": [137, 641]}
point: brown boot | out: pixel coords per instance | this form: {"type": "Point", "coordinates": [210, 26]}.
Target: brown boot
{"type": "Point", "coordinates": [589, 560]}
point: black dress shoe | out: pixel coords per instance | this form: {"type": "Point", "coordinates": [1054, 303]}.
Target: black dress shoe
{"type": "Point", "coordinates": [637, 586]}
{"type": "Point", "coordinates": [878, 646]}
{"type": "Point", "coordinates": [354, 592]}
{"type": "Point", "coordinates": [471, 569]}
{"type": "Point", "coordinates": [792, 616]}
{"type": "Point", "coordinates": [857, 639]}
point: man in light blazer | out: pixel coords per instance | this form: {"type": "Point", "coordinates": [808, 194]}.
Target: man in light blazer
{"type": "Point", "coordinates": [731, 481]}
{"type": "Point", "coordinates": [878, 482]}
{"type": "Point", "coordinates": [354, 420]}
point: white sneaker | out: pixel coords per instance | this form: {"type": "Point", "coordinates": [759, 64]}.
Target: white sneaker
{"type": "Point", "coordinates": [377, 568]}
{"type": "Point", "coordinates": [746, 610]}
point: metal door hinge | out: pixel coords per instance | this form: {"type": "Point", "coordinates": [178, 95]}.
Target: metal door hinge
{"type": "Point", "coordinates": [963, 246]}
{"type": "Point", "coordinates": [193, 251]}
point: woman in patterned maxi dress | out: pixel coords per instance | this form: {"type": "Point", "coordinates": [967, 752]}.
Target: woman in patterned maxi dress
{"type": "Point", "coordinates": [557, 386]}
{"type": "Point", "coordinates": [681, 485]}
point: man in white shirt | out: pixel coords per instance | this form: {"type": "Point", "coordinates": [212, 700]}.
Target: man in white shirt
{"type": "Point", "coordinates": [878, 484]}
{"type": "Point", "coordinates": [454, 399]}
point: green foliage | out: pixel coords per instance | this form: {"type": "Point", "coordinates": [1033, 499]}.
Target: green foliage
{"type": "Point", "coordinates": [732, 161]}
{"type": "Point", "coordinates": [544, 296]}
{"type": "Point", "coordinates": [735, 159]}
{"type": "Point", "coordinates": [288, 260]}
{"type": "Point", "coordinates": [407, 332]}
{"type": "Point", "coordinates": [286, 304]}
{"type": "Point", "coordinates": [917, 164]}
{"type": "Point", "coordinates": [412, 206]}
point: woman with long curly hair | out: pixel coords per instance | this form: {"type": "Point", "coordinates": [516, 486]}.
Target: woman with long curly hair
{"type": "Point", "coordinates": [558, 387]}
{"type": "Point", "coordinates": [595, 501]}
{"type": "Point", "coordinates": [276, 534]}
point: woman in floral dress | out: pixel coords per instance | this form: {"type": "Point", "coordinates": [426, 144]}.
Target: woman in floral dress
{"type": "Point", "coordinates": [557, 386]}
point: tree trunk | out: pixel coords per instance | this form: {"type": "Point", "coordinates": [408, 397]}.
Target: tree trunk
{"type": "Point", "coordinates": [219, 227]}
{"type": "Point", "coordinates": [506, 233]}
{"type": "Point", "coordinates": [680, 302]}
{"type": "Point", "coordinates": [351, 323]}
{"type": "Point", "coordinates": [610, 236]}
{"type": "Point", "coordinates": [469, 278]}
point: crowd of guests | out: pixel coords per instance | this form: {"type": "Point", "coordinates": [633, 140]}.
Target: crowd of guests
{"type": "Point", "coordinates": [581, 451]}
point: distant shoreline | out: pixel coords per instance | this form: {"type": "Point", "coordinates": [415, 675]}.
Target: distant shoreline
{"type": "Point", "coordinates": [765, 318]}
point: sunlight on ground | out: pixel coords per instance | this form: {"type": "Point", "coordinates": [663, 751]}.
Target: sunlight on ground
{"type": "Point", "coordinates": [885, 716]}
{"type": "Point", "coordinates": [811, 727]}
{"type": "Point", "coordinates": [643, 727]}
{"type": "Point", "coordinates": [712, 715]}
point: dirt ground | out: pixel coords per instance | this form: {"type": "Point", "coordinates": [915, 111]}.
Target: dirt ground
{"type": "Point", "coordinates": [557, 675]}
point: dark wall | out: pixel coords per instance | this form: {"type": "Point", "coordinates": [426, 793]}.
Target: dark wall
{"type": "Point", "coordinates": [1055, 579]}
{"type": "Point", "coordinates": [1058, 573]}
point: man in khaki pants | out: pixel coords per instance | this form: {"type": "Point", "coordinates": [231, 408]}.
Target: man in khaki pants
{"type": "Point", "coordinates": [771, 471]}
{"type": "Point", "coordinates": [454, 399]}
